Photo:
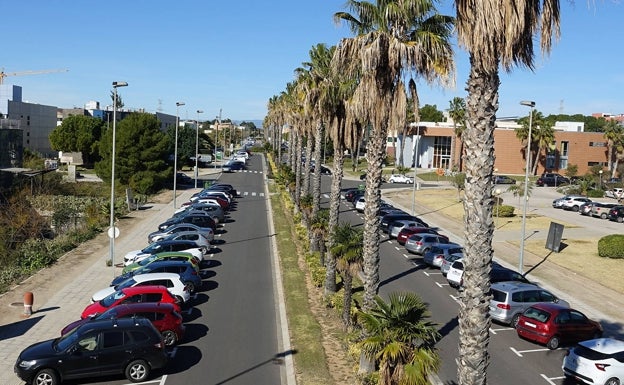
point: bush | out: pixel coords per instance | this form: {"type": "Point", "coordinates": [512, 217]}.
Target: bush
{"type": "Point", "coordinates": [595, 193]}
{"type": "Point", "coordinates": [503, 211]}
{"type": "Point", "coordinates": [611, 246]}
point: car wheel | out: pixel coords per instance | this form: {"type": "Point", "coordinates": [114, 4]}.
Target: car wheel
{"type": "Point", "coordinates": [603, 216]}
{"type": "Point", "coordinates": [169, 337]}
{"type": "Point", "coordinates": [514, 320]}
{"type": "Point", "coordinates": [553, 343]}
{"type": "Point", "coordinates": [391, 180]}
{"type": "Point", "coordinates": [46, 377]}
{"type": "Point", "coordinates": [620, 219]}
{"type": "Point", "coordinates": [575, 209]}
{"type": "Point", "coordinates": [190, 286]}
{"type": "Point", "coordinates": [137, 371]}
{"type": "Point", "coordinates": [612, 381]}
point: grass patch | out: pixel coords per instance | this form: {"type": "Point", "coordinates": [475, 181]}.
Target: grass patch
{"type": "Point", "coordinates": [305, 331]}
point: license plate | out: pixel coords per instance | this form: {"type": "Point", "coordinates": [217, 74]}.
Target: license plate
{"type": "Point", "coordinates": [530, 324]}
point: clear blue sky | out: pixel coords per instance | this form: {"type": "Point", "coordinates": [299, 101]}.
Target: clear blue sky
{"type": "Point", "coordinates": [234, 55]}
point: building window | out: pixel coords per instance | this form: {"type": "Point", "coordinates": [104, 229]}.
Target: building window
{"type": "Point", "coordinates": [597, 144]}
{"type": "Point", "coordinates": [442, 152]}
{"type": "Point", "coordinates": [565, 148]}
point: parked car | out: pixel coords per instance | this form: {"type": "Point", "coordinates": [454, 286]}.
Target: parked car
{"type": "Point", "coordinates": [455, 273]}
{"type": "Point", "coordinates": [163, 246]}
{"type": "Point", "coordinates": [397, 226]}
{"type": "Point", "coordinates": [503, 179]}
{"type": "Point", "coordinates": [206, 232]}
{"type": "Point", "coordinates": [498, 273]}
{"type": "Point", "coordinates": [448, 261]}
{"type": "Point", "coordinates": [423, 242]}
{"type": "Point", "coordinates": [360, 204]}
{"type": "Point", "coordinates": [184, 269]}
{"type": "Point", "coordinates": [201, 220]}
{"type": "Point", "coordinates": [394, 216]}
{"type": "Point", "coordinates": [552, 179]}
{"type": "Point", "coordinates": [400, 178]}
{"type": "Point", "coordinates": [212, 208]}
{"type": "Point", "coordinates": [345, 191]}
{"type": "Point", "coordinates": [574, 203]}
{"type": "Point", "coordinates": [597, 361]}
{"type": "Point", "coordinates": [131, 346]}
{"type": "Point", "coordinates": [586, 208]}
{"type": "Point", "coordinates": [132, 295]}
{"type": "Point", "coordinates": [615, 193]}
{"type": "Point", "coordinates": [166, 256]}
{"type": "Point", "coordinates": [202, 243]}
{"type": "Point", "coordinates": [558, 203]}
{"type": "Point", "coordinates": [511, 299]}
{"type": "Point", "coordinates": [183, 179]}
{"type": "Point", "coordinates": [407, 232]}
{"type": "Point", "coordinates": [171, 281]}
{"type": "Point", "coordinates": [436, 255]}
{"type": "Point", "coordinates": [233, 165]}
{"type": "Point", "coordinates": [617, 213]}
{"type": "Point", "coordinates": [601, 210]}
{"type": "Point", "coordinates": [163, 316]}
{"type": "Point", "coordinates": [552, 324]}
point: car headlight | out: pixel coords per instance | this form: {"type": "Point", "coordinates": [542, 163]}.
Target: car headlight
{"type": "Point", "coordinates": [27, 364]}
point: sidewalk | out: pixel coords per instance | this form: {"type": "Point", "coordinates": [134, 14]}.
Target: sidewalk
{"type": "Point", "coordinates": [62, 291]}
{"type": "Point", "coordinates": [590, 297]}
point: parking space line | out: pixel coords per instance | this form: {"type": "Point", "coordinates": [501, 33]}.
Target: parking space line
{"type": "Point", "coordinates": [456, 299]}
{"type": "Point", "coordinates": [397, 248]}
{"type": "Point", "coordinates": [253, 194]}
{"type": "Point", "coordinates": [407, 256]}
{"type": "Point", "coordinates": [442, 284]}
{"type": "Point", "coordinates": [436, 273]}
{"type": "Point", "coordinates": [521, 352]}
{"type": "Point", "coordinates": [549, 379]}
{"type": "Point", "coordinates": [493, 331]}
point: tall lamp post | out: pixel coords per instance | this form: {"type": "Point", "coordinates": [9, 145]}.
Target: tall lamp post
{"type": "Point", "coordinates": [415, 168]}
{"type": "Point", "coordinates": [530, 104]}
{"type": "Point", "coordinates": [197, 147]}
{"type": "Point", "coordinates": [112, 231]}
{"type": "Point", "coordinates": [175, 153]}
{"type": "Point", "coordinates": [600, 185]}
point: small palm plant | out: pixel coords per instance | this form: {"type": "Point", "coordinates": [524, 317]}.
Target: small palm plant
{"type": "Point", "coordinates": [348, 250]}
{"type": "Point", "coordinates": [400, 339]}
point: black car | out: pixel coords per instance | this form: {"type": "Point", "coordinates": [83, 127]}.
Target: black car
{"type": "Point", "coordinates": [233, 166]}
{"type": "Point", "coordinates": [503, 274]}
{"type": "Point", "coordinates": [503, 179]}
{"type": "Point", "coordinates": [552, 179]}
{"type": "Point", "coordinates": [201, 220]}
{"type": "Point", "coordinates": [129, 346]}
{"type": "Point", "coordinates": [617, 214]}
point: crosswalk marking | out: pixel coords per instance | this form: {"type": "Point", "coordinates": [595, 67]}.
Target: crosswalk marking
{"type": "Point", "coordinates": [253, 194]}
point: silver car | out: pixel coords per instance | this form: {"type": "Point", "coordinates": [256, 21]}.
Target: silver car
{"type": "Point", "coordinates": [436, 255]}
{"type": "Point", "coordinates": [394, 228]}
{"type": "Point", "coordinates": [511, 299]}
{"type": "Point", "coordinates": [202, 242]}
{"type": "Point", "coordinates": [160, 235]}
{"type": "Point", "coordinates": [421, 243]}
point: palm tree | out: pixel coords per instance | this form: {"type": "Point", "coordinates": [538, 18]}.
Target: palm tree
{"type": "Point", "coordinates": [393, 40]}
{"type": "Point", "coordinates": [457, 112]}
{"type": "Point", "coordinates": [400, 339]}
{"type": "Point", "coordinates": [347, 250]}
{"type": "Point", "coordinates": [542, 136]}
{"type": "Point", "coordinates": [613, 133]}
{"type": "Point", "coordinates": [495, 33]}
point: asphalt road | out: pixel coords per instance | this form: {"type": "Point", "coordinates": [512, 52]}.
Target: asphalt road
{"type": "Point", "coordinates": [513, 361]}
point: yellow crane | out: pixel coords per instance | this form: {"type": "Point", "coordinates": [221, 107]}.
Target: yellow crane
{"type": "Point", "coordinates": [5, 74]}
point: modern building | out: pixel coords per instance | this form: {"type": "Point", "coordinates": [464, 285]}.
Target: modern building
{"type": "Point", "coordinates": [434, 145]}
{"type": "Point", "coordinates": [11, 144]}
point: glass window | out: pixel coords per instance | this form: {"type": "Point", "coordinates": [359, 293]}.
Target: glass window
{"type": "Point", "coordinates": [497, 295]}
{"type": "Point", "coordinates": [577, 317]}
{"type": "Point", "coordinates": [153, 297]}
{"type": "Point", "coordinates": [112, 339]}
{"type": "Point", "coordinates": [547, 297]}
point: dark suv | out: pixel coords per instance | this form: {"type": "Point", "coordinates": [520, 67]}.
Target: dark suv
{"type": "Point", "coordinates": [552, 179]}
{"type": "Point", "coordinates": [617, 213]}
{"type": "Point", "coordinates": [131, 346]}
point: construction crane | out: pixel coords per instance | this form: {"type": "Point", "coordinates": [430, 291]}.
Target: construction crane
{"type": "Point", "coordinates": [5, 74]}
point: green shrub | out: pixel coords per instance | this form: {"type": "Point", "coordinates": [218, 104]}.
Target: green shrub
{"type": "Point", "coordinates": [503, 211]}
{"type": "Point", "coordinates": [595, 193]}
{"type": "Point", "coordinates": [611, 246]}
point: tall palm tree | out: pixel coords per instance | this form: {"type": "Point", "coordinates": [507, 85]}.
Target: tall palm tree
{"type": "Point", "coordinates": [348, 252]}
{"type": "Point", "coordinates": [401, 339]}
{"type": "Point", "coordinates": [394, 39]}
{"type": "Point", "coordinates": [457, 112]}
{"type": "Point", "coordinates": [495, 33]}
{"type": "Point", "coordinates": [613, 133]}
{"type": "Point", "coordinates": [542, 136]}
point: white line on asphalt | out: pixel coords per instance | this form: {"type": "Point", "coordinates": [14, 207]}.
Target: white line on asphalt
{"type": "Point", "coordinates": [407, 256]}
{"type": "Point", "coordinates": [549, 379]}
{"type": "Point", "coordinates": [493, 331]}
{"type": "Point", "coordinates": [520, 352]}
{"type": "Point", "coordinates": [397, 248]}
{"type": "Point", "coordinates": [440, 273]}
{"type": "Point", "coordinates": [454, 298]}
{"type": "Point", "coordinates": [253, 194]}
{"type": "Point", "coordinates": [245, 193]}
{"type": "Point", "coordinates": [442, 284]}
{"type": "Point", "coordinates": [163, 379]}
{"type": "Point", "coordinates": [425, 273]}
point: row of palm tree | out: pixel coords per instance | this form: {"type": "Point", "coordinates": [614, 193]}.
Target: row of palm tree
{"type": "Point", "coordinates": [364, 87]}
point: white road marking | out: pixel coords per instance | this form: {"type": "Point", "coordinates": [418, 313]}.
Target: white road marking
{"type": "Point", "coordinates": [549, 379]}
{"type": "Point", "coordinates": [493, 331]}
{"type": "Point", "coordinates": [253, 194]}
{"type": "Point", "coordinates": [396, 248]}
{"type": "Point", "coordinates": [521, 352]}
{"type": "Point", "coordinates": [454, 298]}
{"type": "Point", "coordinates": [442, 284]}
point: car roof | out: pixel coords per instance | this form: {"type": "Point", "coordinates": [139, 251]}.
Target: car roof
{"type": "Point", "coordinates": [144, 289]}
{"type": "Point", "coordinates": [513, 286]}
{"type": "Point", "coordinates": [98, 324]}
{"type": "Point", "coordinates": [168, 262]}
{"type": "Point", "coordinates": [153, 276]}
{"type": "Point", "coordinates": [550, 307]}
{"type": "Point", "coordinates": [126, 308]}
{"type": "Point", "coordinates": [177, 242]}
{"type": "Point", "coordinates": [604, 345]}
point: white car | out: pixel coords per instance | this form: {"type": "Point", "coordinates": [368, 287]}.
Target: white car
{"type": "Point", "coordinates": [598, 361]}
{"type": "Point", "coordinates": [156, 247]}
{"type": "Point", "coordinates": [360, 205]}
{"type": "Point", "coordinates": [400, 178]}
{"type": "Point", "coordinates": [455, 273]}
{"type": "Point", "coordinates": [171, 281]}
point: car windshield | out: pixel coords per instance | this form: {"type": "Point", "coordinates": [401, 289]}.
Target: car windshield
{"type": "Point", "coordinates": [125, 283]}
{"type": "Point", "coordinates": [152, 249]}
{"type": "Point", "coordinates": [111, 299]}
{"type": "Point", "coordinates": [65, 341]}
{"type": "Point", "coordinates": [537, 314]}
{"type": "Point", "coordinates": [148, 260]}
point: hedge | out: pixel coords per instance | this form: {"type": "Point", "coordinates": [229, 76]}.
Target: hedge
{"type": "Point", "coordinates": [611, 246]}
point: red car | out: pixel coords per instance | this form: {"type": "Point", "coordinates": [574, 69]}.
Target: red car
{"type": "Point", "coordinates": [409, 231]}
{"type": "Point", "coordinates": [552, 324]}
{"type": "Point", "coordinates": [131, 295]}
{"type": "Point", "coordinates": [163, 316]}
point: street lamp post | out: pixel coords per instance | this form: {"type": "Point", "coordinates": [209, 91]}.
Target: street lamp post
{"type": "Point", "coordinates": [175, 153]}
{"type": "Point", "coordinates": [415, 168]}
{"type": "Point", "coordinates": [112, 233]}
{"type": "Point", "coordinates": [600, 185]}
{"type": "Point", "coordinates": [530, 104]}
{"type": "Point", "coordinates": [497, 193]}
{"type": "Point", "coordinates": [197, 147]}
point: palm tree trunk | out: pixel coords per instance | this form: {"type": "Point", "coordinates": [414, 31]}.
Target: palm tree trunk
{"type": "Point", "coordinates": [346, 304]}
{"type": "Point", "coordinates": [537, 154]}
{"type": "Point", "coordinates": [375, 151]}
{"type": "Point", "coordinates": [334, 212]}
{"type": "Point", "coordinates": [308, 161]}
{"type": "Point", "coordinates": [297, 169]}
{"type": "Point", "coordinates": [474, 319]}
{"type": "Point", "coordinates": [316, 185]}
